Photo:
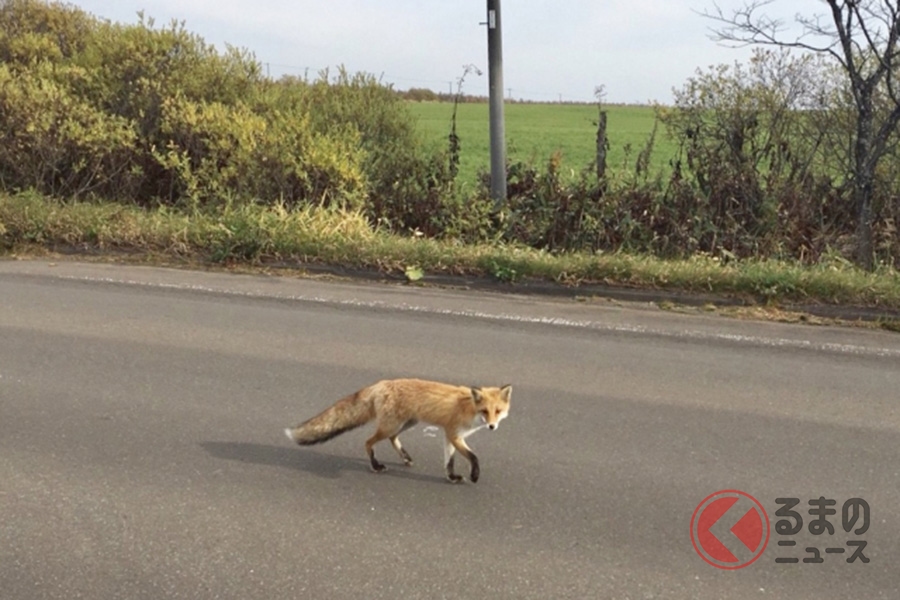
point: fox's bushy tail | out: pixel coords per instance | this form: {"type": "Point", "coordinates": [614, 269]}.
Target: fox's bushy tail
{"type": "Point", "coordinates": [346, 414]}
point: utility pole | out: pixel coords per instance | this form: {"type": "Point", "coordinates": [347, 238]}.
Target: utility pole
{"type": "Point", "coordinates": [495, 85]}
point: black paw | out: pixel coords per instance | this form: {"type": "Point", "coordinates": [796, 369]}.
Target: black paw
{"type": "Point", "coordinates": [453, 478]}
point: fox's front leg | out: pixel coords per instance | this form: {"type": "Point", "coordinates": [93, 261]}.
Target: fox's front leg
{"type": "Point", "coordinates": [449, 450]}
{"type": "Point", "coordinates": [458, 444]}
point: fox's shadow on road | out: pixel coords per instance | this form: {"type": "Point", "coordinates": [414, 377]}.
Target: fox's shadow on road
{"type": "Point", "coordinates": [307, 460]}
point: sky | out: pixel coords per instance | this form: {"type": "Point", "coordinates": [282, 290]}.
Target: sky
{"type": "Point", "coordinates": [553, 50]}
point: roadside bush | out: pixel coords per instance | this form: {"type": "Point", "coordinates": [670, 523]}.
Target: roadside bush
{"type": "Point", "coordinates": [410, 187]}
{"type": "Point", "coordinates": [544, 211]}
{"type": "Point", "coordinates": [52, 141]}
{"type": "Point", "coordinates": [214, 152]}
{"type": "Point", "coordinates": [156, 116]}
{"type": "Point", "coordinates": [34, 32]}
{"type": "Point", "coordinates": [765, 146]}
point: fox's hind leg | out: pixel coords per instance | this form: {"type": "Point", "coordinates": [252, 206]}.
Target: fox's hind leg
{"type": "Point", "coordinates": [395, 441]}
{"type": "Point", "coordinates": [388, 429]}
{"type": "Point", "coordinates": [379, 435]}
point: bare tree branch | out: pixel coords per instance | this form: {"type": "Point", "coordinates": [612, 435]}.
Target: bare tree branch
{"type": "Point", "coordinates": [863, 37]}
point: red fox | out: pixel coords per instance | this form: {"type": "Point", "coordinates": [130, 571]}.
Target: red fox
{"type": "Point", "coordinates": [399, 404]}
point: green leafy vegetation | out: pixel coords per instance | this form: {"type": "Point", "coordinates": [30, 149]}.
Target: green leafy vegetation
{"type": "Point", "coordinates": [141, 138]}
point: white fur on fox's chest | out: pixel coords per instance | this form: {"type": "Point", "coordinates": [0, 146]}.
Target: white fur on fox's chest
{"type": "Point", "coordinates": [478, 422]}
{"type": "Point", "coordinates": [467, 431]}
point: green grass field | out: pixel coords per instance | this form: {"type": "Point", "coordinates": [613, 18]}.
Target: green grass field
{"type": "Point", "coordinates": [535, 131]}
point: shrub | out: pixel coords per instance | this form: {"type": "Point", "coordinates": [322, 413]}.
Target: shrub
{"type": "Point", "coordinates": [157, 116]}
{"type": "Point", "coordinates": [54, 142]}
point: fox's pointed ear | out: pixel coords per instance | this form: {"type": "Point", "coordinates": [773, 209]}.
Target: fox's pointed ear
{"type": "Point", "coordinates": [506, 392]}
{"type": "Point", "coordinates": [476, 395]}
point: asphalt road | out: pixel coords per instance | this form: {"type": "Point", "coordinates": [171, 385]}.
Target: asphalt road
{"type": "Point", "coordinates": [142, 453]}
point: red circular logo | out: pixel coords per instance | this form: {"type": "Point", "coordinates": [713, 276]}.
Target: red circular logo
{"type": "Point", "coordinates": [730, 529]}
